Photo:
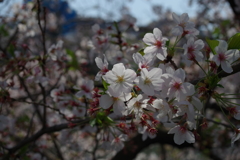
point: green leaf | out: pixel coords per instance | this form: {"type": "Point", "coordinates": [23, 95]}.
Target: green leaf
{"type": "Point", "coordinates": [3, 31]}
{"type": "Point", "coordinates": [219, 85]}
{"type": "Point", "coordinates": [99, 121]}
{"type": "Point", "coordinates": [213, 81]}
{"type": "Point", "coordinates": [26, 157]}
{"type": "Point", "coordinates": [216, 31]}
{"type": "Point", "coordinates": [109, 120]}
{"type": "Point", "coordinates": [93, 122]}
{"type": "Point", "coordinates": [23, 119]}
{"type": "Point", "coordinates": [105, 85]}
{"type": "Point", "coordinates": [234, 42]}
{"type": "Point", "coordinates": [11, 49]}
{"type": "Point", "coordinates": [116, 25]}
{"type": "Point", "coordinates": [102, 119]}
{"type": "Point", "coordinates": [23, 150]}
{"type": "Point", "coordinates": [74, 63]}
{"type": "Point", "coordinates": [225, 23]}
{"type": "Point", "coordinates": [212, 44]}
{"type": "Point", "coordinates": [141, 52]}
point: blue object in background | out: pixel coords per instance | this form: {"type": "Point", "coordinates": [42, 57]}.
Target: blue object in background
{"type": "Point", "coordinates": [62, 9]}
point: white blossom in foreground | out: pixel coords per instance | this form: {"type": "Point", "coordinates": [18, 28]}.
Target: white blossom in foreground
{"type": "Point", "coordinates": [55, 51]}
{"type": "Point", "coordinates": [225, 57]}
{"type": "Point", "coordinates": [146, 132]}
{"type": "Point", "coordinates": [184, 27]}
{"type": "Point", "coordinates": [117, 143]}
{"type": "Point", "coordinates": [102, 65]}
{"type": "Point", "coordinates": [156, 44]}
{"type": "Point", "coordinates": [118, 104]}
{"type": "Point", "coordinates": [85, 88]}
{"type": "Point", "coordinates": [150, 80]}
{"type": "Point", "coordinates": [235, 137]}
{"type": "Point", "coordinates": [120, 80]}
{"type": "Point", "coordinates": [163, 109]}
{"type": "Point", "coordinates": [145, 61]}
{"type": "Point", "coordinates": [192, 51]}
{"type": "Point", "coordinates": [176, 87]}
{"type": "Point", "coordinates": [136, 106]}
{"type": "Point", "coordinates": [182, 134]}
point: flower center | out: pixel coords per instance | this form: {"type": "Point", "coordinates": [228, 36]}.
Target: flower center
{"type": "Point", "coordinates": [183, 24]}
{"type": "Point", "coordinates": [222, 57]}
{"type": "Point", "coordinates": [158, 44]}
{"type": "Point", "coordinates": [185, 33]}
{"type": "Point", "coordinates": [120, 79]}
{"type": "Point", "coordinates": [183, 129]}
{"type": "Point", "coordinates": [177, 85]}
{"type": "Point", "coordinates": [115, 99]}
{"type": "Point", "coordinates": [152, 131]}
{"type": "Point", "coordinates": [232, 110]}
{"type": "Point", "coordinates": [144, 66]}
{"type": "Point", "coordinates": [137, 104]}
{"type": "Point", "coordinates": [117, 140]}
{"type": "Point", "coordinates": [104, 70]}
{"type": "Point", "coordinates": [191, 56]}
{"type": "Point", "coordinates": [191, 49]}
{"type": "Point", "coordinates": [85, 88]}
{"type": "Point", "coordinates": [147, 81]}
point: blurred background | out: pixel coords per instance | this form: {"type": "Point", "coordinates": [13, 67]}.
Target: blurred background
{"type": "Point", "coordinates": [72, 21]}
{"type": "Point", "coordinates": [143, 13]}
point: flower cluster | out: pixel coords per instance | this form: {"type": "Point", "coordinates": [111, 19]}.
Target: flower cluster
{"type": "Point", "coordinates": [160, 93]}
{"type": "Point", "coordinates": [49, 95]}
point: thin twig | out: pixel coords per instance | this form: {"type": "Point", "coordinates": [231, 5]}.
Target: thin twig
{"type": "Point", "coordinates": [43, 131]}
{"type": "Point", "coordinates": [57, 148]}
{"type": "Point", "coordinates": [43, 30]}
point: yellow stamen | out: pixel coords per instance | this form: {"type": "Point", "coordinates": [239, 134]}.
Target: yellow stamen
{"type": "Point", "coordinates": [120, 79]}
{"type": "Point", "coordinates": [137, 105]}
{"type": "Point", "coordinates": [147, 81]}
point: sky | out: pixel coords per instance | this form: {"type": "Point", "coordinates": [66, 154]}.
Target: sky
{"type": "Point", "coordinates": [140, 9]}
{"type": "Point", "coordinates": [110, 9]}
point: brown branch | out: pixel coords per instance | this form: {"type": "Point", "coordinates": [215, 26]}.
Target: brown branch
{"type": "Point", "coordinates": [136, 145]}
{"type": "Point", "coordinates": [32, 99]}
{"type": "Point", "coordinates": [57, 148]}
{"type": "Point", "coordinates": [43, 131]}
{"type": "Point", "coordinates": [236, 69]}
{"type": "Point", "coordinates": [235, 9]}
{"type": "Point", "coordinates": [43, 30]}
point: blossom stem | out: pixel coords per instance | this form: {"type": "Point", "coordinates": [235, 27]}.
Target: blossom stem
{"type": "Point", "coordinates": [225, 116]}
{"type": "Point", "coordinates": [201, 67]}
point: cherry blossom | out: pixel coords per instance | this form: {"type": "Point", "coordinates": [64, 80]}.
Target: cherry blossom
{"type": "Point", "coordinates": [57, 92]}
{"type": "Point", "coordinates": [85, 88]}
{"type": "Point", "coordinates": [157, 44]}
{"type": "Point", "coordinates": [225, 57]}
{"type": "Point", "coordinates": [181, 134]}
{"type": "Point", "coordinates": [235, 137]}
{"type": "Point", "coordinates": [163, 109]}
{"type": "Point", "coordinates": [120, 79]}
{"type": "Point", "coordinates": [192, 51]}
{"type": "Point", "coordinates": [117, 142]}
{"type": "Point", "coordinates": [147, 132]}
{"type": "Point", "coordinates": [103, 66]}
{"type": "Point", "coordinates": [150, 80]}
{"type": "Point", "coordinates": [145, 61]}
{"type": "Point", "coordinates": [136, 105]}
{"type": "Point", "coordinates": [118, 104]}
{"type": "Point", "coordinates": [175, 87]}
{"type": "Point", "coordinates": [184, 26]}
{"type": "Point", "coordinates": [234, 111]}
{"type": "Point", "coordinates": [55, 51]}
